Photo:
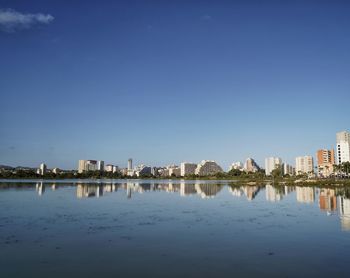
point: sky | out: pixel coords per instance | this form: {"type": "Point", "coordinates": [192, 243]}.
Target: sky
{"type": "Point", "coordinates": [169, 81]}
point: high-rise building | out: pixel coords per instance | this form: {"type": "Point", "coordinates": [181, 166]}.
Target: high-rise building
{"type": "Point", "coordinates": [187, 168]}
{"type": "Point", "coordinates": [304, 164]}
{"type": "Point", "coordinates": [42, 169]}
{"type": "Point", "coordinates": [288, 169]}
{"type": "Point", "coordinates": [343, 147]}
{"type": "Point", "coordinates": [90, 165]}
{"type": "Point", "coordinates": [251, 166]}
{"type": "Point", "coordinates": [208, 167]}
{"type": "Point", "coordinates": [130, 164]}
{"type": "Point", "coordinates": [272, 163]}
{"type": "Point", "coordinates": [109, 168]}
{"type": "Point", "coordinates": [325, 162]}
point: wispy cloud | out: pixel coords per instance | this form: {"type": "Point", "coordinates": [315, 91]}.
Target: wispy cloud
{"type": "Point", "coordinates": [11, 20]}
{"type": "Point", "coordinates": [206, 17]}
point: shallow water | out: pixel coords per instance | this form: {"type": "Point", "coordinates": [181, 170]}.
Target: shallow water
{"type": "Point", "coordinates": [172, 229]}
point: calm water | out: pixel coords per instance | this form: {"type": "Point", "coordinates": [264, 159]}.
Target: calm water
{"type": "Point", "coordinates": [172, 229]}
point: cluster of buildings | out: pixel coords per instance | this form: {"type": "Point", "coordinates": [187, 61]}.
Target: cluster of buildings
{"type": "Point", "coordinates": [326, 161]}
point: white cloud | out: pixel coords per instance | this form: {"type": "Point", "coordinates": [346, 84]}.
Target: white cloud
{"type": "Point", "coordinates": [11, 20]}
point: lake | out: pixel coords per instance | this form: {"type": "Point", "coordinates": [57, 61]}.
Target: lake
{"type": "Point", "coordinates": [162, 228]}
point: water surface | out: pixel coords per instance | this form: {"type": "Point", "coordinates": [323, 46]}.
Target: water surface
{"type": "Point", "coordinates": [171, 229]}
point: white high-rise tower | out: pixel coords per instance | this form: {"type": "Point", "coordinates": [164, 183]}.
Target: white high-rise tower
{"type": "Point", "coordinates": [343, 147]}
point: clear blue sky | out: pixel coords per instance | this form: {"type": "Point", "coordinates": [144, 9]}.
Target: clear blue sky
{"type": "Point", "coordinates": [168, 82]}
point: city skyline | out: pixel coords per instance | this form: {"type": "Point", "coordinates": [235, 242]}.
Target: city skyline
{"type": "Point", "coordinates": [170, 82]}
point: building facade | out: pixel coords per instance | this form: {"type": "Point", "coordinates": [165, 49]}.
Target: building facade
{"type": "Point", "coordinates": [304, 165]}
{"type": "Point", "coordinates": [325, 162]}
{"type": "Point", "coordinates": [251, 166]}
{"type": "Point", "coordinates": [272, 163]}
{"type": "Point", "coordinates": [187, 168]}
{"type": "Point", "coordinates": [90, 165]}
{"type": "Point", "coordinates": [208, 167]}
{"type": "Point", "coordinates": [343, 147]}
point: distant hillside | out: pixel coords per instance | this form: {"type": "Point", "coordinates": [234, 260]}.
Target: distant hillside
{"type": "Point", "coordinates": [5, 167]}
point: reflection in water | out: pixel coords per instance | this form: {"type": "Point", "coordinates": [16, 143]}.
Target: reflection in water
{"type": "Point", "coordinates": [305, 194]}
{"type": "Point", "coordinates": [40, 188]}
{"type": "Point", "coordinates": [344, 211]}
{"type": "Point", "coordinates": [329, 199]}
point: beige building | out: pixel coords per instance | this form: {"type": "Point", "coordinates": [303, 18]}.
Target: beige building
{"type": "Point", "coordinates": [304, 165]}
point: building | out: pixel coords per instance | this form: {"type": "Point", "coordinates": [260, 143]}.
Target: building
{"type": "Point", "coordinates": [109, 168]}
{"type": "Point", "coordinates": [236, 166]}
{"type": "Point", "coordinates": [325, 162]}
{"type": "Point", "coordinates": [251, 166]}
{"type": "Point", "coordinates": [130, 169]}
{"type": "Point", "coordinates": [272, 163]}
{"type": "Point", "coordinates": [343, 147]}
{"type": "Point", "coordinates": [142, 170]}
{"type": "Point", "coordinates": [56, 170]}
{"type": "Point", "coordinates": [90, 165]}
{"type": "Point", "coordinates": [304, 165]}
{"type": "Point", "coordinates": [207, 168]}
{"type": "Point", "coordinates": [288, 169]}
{"type": "Point", "coordinates": [42, 169]}
{"type": "Point", "coordinates": [187, 168]}
{"type": "Point", "coordinates": [174, 171]}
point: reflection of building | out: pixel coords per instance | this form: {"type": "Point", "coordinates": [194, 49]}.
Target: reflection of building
{"type": "Point", "coordinates": [305, 194]}
{"type": "Point", "coordinates": [40, 188]}
{"type": "Point", "coordinates": [187, 168]}
{"type": "Point", "coordinates": [207, 168]}
{"type": "Point", "coordinates": [273, 194]}
{"type": "Point", "coordinates": [272, 163]}
{"type": "Point", "coordinates": [89, 190]}
{"type": "Point", "coordinates": [251, 191]}
{"type": "Point", "coordinates": [304, 164]}
{"type": "Point", "coordinates": [343, 147]}
{"type": "Point", "coordinates": [187, 189]}
{"type": "Point", "coordinates": [325, 162]}
{"type": "Point", "coordinates": [236, 191]}
{"type": "Point", "coordinates": [90, 165]}
{"type": "Point", "coordinates": [327, 199]}
{"type": "Point", "coordinates": [344, 211]}
{"type": "Point", "coordinates": [251, 166]}
{"type": "Point", "coordinates": [207, 190]}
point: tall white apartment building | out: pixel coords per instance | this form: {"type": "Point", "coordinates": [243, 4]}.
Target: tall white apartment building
{"type": "Point", "coordinates": [304, 164]}
{"type": "Point", "coordinates": [343, 147]}
{"type": "Point", "coordinates": [90, 165]}
{"type": "Point", "coordinates": [272, 163]}
{"type": "Point", "coordinates": [187, 168]}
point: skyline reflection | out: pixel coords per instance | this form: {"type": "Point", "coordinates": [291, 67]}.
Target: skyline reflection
{"type": "Point", "coordinates": [331, 201]}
